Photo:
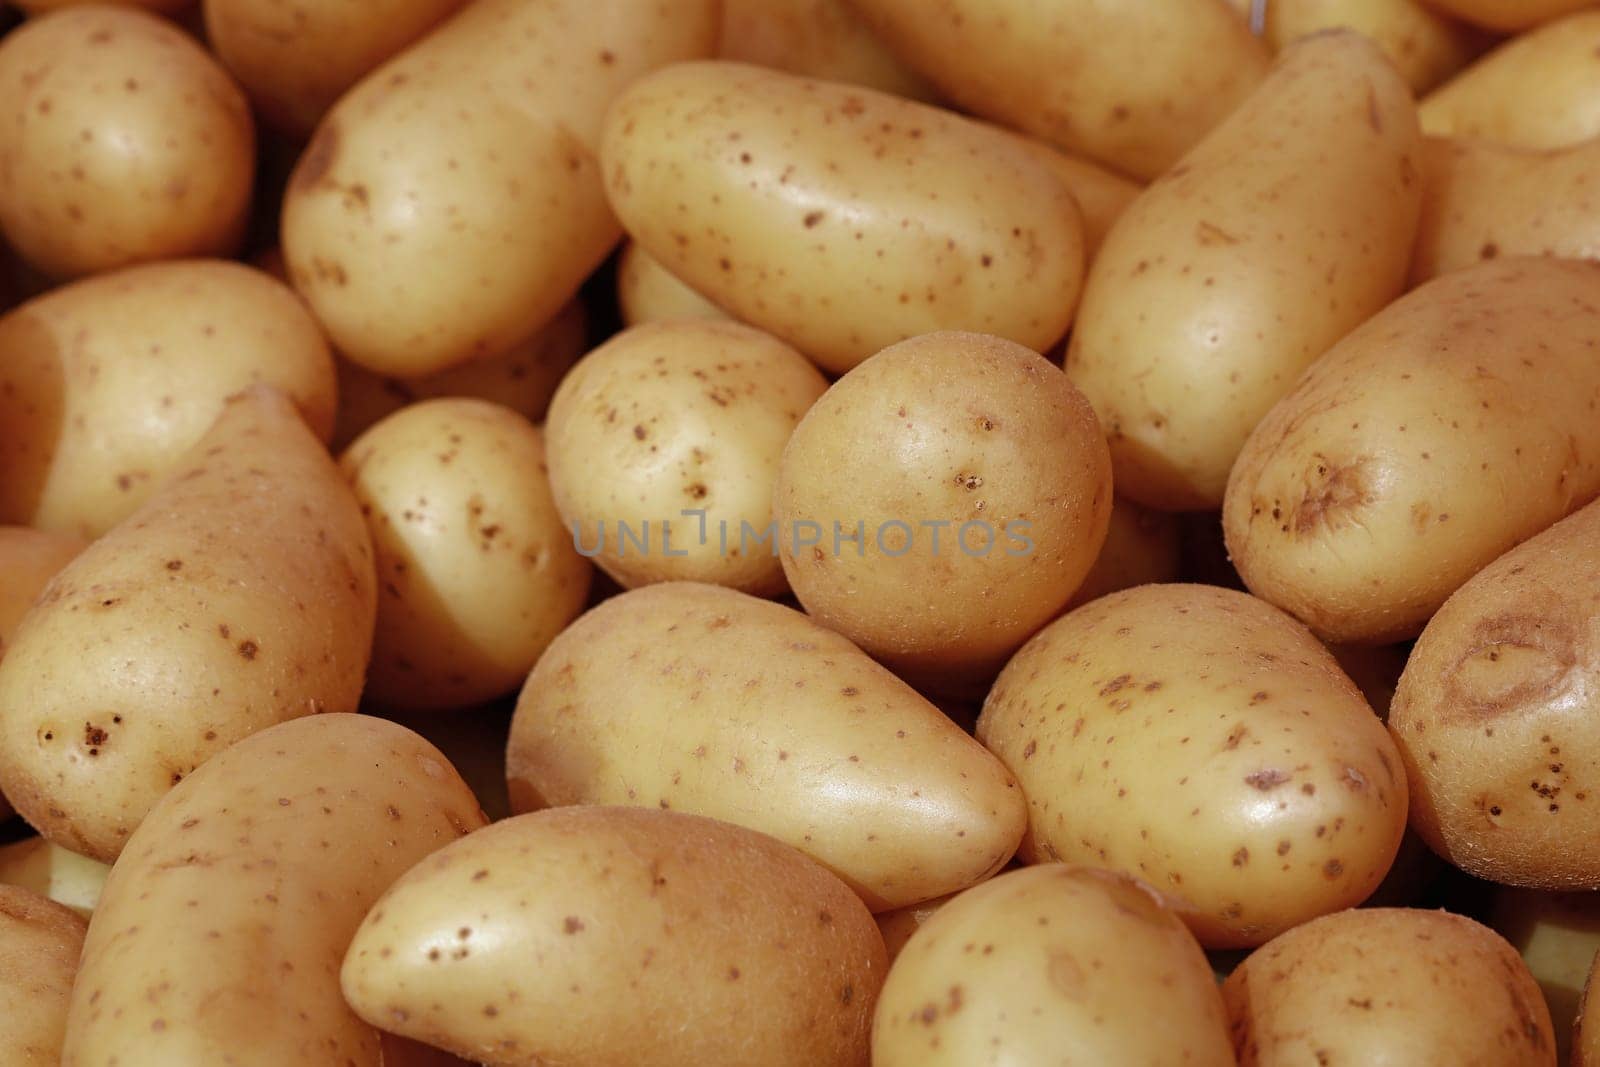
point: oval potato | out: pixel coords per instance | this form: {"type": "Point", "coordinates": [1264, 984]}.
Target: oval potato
{"type": "Point", "coordinates": [1426, 47]}
{"type": "Point", "coordinates": [649, 292]}
{"type": "Point", "coordinates": [824, 39]}
{"type": "Point", "coordinates": [39, 946]}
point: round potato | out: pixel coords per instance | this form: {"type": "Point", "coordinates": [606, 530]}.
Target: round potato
{"type": "Point", "coordinates": [29, 558]}
{"type": "Point", "coordinates": [39, 946]}
{"type": "Point", "coordinates": [649, 292]}
{"type": "Point", "coordinates": [1141, 547]}
{"type": "Point", "coordinates": [1426, 46]}
{"type": "Point", "coordinates": [823, 39]}
{"type": "Point", "coordinates": [1508, 16]}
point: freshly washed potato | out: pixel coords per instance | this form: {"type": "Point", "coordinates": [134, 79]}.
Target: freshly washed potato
{"type": "Point", "coordinates": [241, 594]}
{"type": "Point", "coordinates": [598, 936]}
{"type": "Point", "coordinates": [123, 141]}
{"type": "Point", "coordinates": [39, 945]}
{"type": "Point", "coordinates": [701, 699]}
{"type": "Point", "coordinates": [106, 383]}
{"type": "Point", "coordinates": [1053, 964]}
{"type": "Point", "coordinates": [476, 573]}
{"type": "Point", "coordinates": [1426, 46]}
{"type": "Point", "coordinates": [1203, 741]}
{"type": "Point", "coordinates": [1508, 16]}
{"type": "Point", "coordinates": [1141, 547]}
{"type": "Point", "coordinates": [1130, 85]}
{"type": "Point", "coordinates": [220, 932]}
{"type": "Point", "coordinates": [29, 558]}
{"type": "Point", "coordinates": [841, 219]}
{"type": "Point", "coordinates": [823, 39]}
{"type": "Point", "coordinates": [649, 292]}
{"type": "Point", "coordinates": [1388, 986]}
{"type": "Point", "coordinates": [451, 203]}
{"type": "Point", "coordinates": [898, 925]}
{"type": "Point", "coordinates": [51, 871]}
{"type": "Point", "coordinates": [1557, 935]}
{"type": "Point", "coordinates": [672, 431]}
{"type": "Point", "coordinates": [1586, 1038]}
{"type": "Point", "coordinates": [1454, 424]}
{"type": "Point", "coordinates": [942, 502]}
{"type": "Point", "coordinates": [1287, 227]}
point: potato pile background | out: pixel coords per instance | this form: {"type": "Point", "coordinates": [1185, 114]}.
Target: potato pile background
{"type": "Point", "coordinates": [799, 532]}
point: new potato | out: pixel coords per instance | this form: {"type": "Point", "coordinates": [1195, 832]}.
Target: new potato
{"type": "Point", "coordinates": [29, 558]}
{"type": "Point", "coordinates": [649, 292]}
{"type": "Point", "coordinates": [39, 945]}
{"type": "Point", "coordinates": [824, 39]}
{"type": "Point", "coordinates": [1425, 46]}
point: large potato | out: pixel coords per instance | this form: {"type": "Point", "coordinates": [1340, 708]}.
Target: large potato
{"type": "Point", "coordinates": [451, 203]}
{"type": "Point", "coordinates": [1287, 227]}
{"type": "Point", "coordinates": [649, 292]}
{"type": "Point", "coordinates": [841, 219]}
{"type": "Point", "coordinates": [39, 946]}
{"type": "Point", "coordinates": [238, 596]}
{"type": "Point", "coordinates": [1456, 423]}
{"type": "Point", "coordinates": [1053, 964]}
{"type": "Point", "coordinates": [1508, 16]}
{"type": "Point", "coordinates": [597, 936]}
{"type": "Point", "coordinates": [1388, 986]}
{"type": "Point", "coordinates": [123, 141]}
{"type": "Point", "coordinates": [1426, 47]}
{"type": "Point", "coordinates": [824, 39]}
{"type": "Point", "coordinates": [220, 932]}
{"type": "Point", "coordinates": [29, 558]}
{"type": "Point", "coordinates": [106, 383]}
{"type": "Point", "coordinates": [701, 699]}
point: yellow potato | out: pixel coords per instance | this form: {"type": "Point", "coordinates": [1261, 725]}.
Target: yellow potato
{"type": "Point", "coordinates": [106, 383]}
{"type": "Point", "coordinates": [1287, 227]}
{"type": "Point", "coordinates": [1102, 196]}
{"type": "Point", "coordinates": [671, 433]}
{"type": "Point", "coordinates": [598, 936]}
{"type": "Point", "coordinates": [701, 699]}
{"type": "Point", "coordinates": [817, 38]}
{"type": "Point", "coordinates": [123, 142]}
{"type": "Point", "coordinates": [1557, 935]}
{"type": "Point", "coordinates": [39, 946]}
{"type": "Point", "coordinates": [1202, 740]}
{"type": "Point", "coordinates": [837, 218]}
{"type": "Point", "coordinates": [1586, 1039]}
{"type": "Point", "coordinates": [1508, 16]}
{"type": "Point", "coordinates": [1388, 986]}
{"type": "Point", "coordinates": [649, 292]}
{"type": "Point", "coordinates": [240, 595]}
{"type": "Point", "coordinates": [1426, 46]}
{"type": "Point", "coordinates": [1141, 547]}
{"type": "Point", "coordinates": [475, 570]}
{"type": "Point", "coordinates": [51, 871]}
{"type": "Point", "coordinates": [1456, 423]}
{"type": "Point", "coordinates": [451, 203]}
{"type": "Point", "coordinates": [220, 932]}
{"type": "Point", "coordinates": [1053, 964]}
{"type": "Point", "coordinates": [29, 558]}
{"type": "Point", "coordinates": [941, 503]}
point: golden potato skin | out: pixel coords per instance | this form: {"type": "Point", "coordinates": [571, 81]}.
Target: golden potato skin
{"type": "Point", "coordinates": [731, 947]}
{"type": "Point", "coordinates": [1508, 16]}
{"type": "Point", "coordinates": [1388, 985]}
{"type": "Point", "coordinates": [1454, 424]}
{"type": "Point", "coordinates": [1141, 547]}
{"type": "Point", "coordinates": [124, 142]}
{"type": "Point", "coordinates": [649, 292]}
{"type": "Point", "coordinates": [838, 218]}
{"type": "Point", "coordinates": [240, 595]}
{"type": "Point", "coordinates": [220, 932]}
{"type": "Point", "coordinates": [967, 430]}
{"type": "Point", "coordinates": [29, 558]}
{"type": "Point", "coordinates": [1102, 195]}
{"type": "Point", "coordinates": [700, 699]}
{"type": "Point", "coordinates": [1426, 46]}
{"type": "Point", "coordinates": [824, 39]}
{"type": "Point", "coordinates": [1202, 740]}
{"type": "Point", "coordinates": [39, 945]}
{"type": "Point", "coordinates": [1051, 964]}
{"type": "Point", "coordinates": [1305, 198]}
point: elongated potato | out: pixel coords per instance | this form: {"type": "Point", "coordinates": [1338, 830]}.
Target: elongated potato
{"type": "Point", "coordinates": [29, 558]}
{"type": "Point", "coordinates": [53, 872]}
{"type": "Point", "coordinates": [824, 39]}
{"type": "Point", "coordinates": [1508, 16]}
{"type": "Point", "coordinates": [649, 292]}
{"type": "Point", "coordinates": [1456, 423]}
{"type": "Point", "coordinates": [1141, 547]}
{"type": "Point", "coordinates": [1426, 47]}
{"type": "Point", "coordinates": [732, 948]}
{"type": "Point", "coordinates": [837, 218]}
{"type": "Point", "coordinates": [451, 203]}
{"type": "Point", "coordinates": [219, 935]}
{"type": "Point", "coordinates": [1102, 195]}
{"type": "Point", "coordinates": [238, 596]}
{"type": "Point", "coordinates": [39, 946]}
{"type": "Point", "coordinates": [701, 699]}
{"type": "Point", "coordinates": [1288, 226]}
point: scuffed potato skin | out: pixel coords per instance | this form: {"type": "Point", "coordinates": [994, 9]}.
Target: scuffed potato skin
{"type": "Point", "coordinates": [39, 946]}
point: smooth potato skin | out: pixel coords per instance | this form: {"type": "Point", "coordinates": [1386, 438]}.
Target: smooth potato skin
{"type": "Point", "coordinates": [824, 39]}
{"type": "Point", "coordinates": [1426, 46]}
{"type": "Point", "coordinates": [648, 292]}
{"type": "Point", "coordinates": [1102, 195]}
{"type": "Point", "coordinates": [1388, 986]}
{"type": "Point", "coordinates": [39, 946]}
{"type": "Point", "coordinates": [220, 932]}
{"type": "Point", "coordinates": [1406, 459]}
{"type": "Point", "coordinates": [29, 558]}
{"type": "Point", "coordinates": [1508, 16]}
{"type": "Point", "coordinates": [732, 948]}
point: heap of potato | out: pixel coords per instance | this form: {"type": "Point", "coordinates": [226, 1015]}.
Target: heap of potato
{"type": "Point", "coordinates": [1092, 505]}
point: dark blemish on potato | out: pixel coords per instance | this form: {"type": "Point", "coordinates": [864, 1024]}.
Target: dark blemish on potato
{"type": "Point", "coordinates": [1266, 779]}
{"type": "Point", "coordinates": [1374, 115]}
{"type": "Point", "coordinates": [1365, 1003]}
{"type": "Point", "coordinates": [1116, 684]}
{"type": "Point", "coordinates": [174, 564]}
{"type": "Point", "coordinates": [1334, 490]}
{"type": "Point", "coordinates": [607, 57]}
{"type": "Point", "coordinates": [969, 481]}
{"type": "Point", "coordinates": [1259, 696]}
{"type": "Point", "coordinates": [1235, 737]}
{"type": "Point", "coordinates": [248, 650]}
{"type": "Point", "coordinates": [1029, 749]}
{"type": "Point", "coordinates": [1332, 869]}
{"type": "Point", "coordinates": [1241, 858]}
{"type": "Point", "coordinates": [1513, 660]}
{"type": "Point", "coordinates": [224, 631]}
{"type": "Point", "coordinates": [94, 736]}
{"type": "Point", "coordinates": [1284, 847]}
{"type": "Point", "coordinates": [733, 974]}
{"type": "Point", "coordinates": [317, 159]}
{"type": "Point", "coordinates": [572, 924]}
{"type": "Point", "coordinates": [1489, 250]}
{"type": "Point", "coordinates": [812, 218]}
{"type": "Point", "coordinates": [639, 433]}
{"type": "Point", "coordinates": [1354, 780]}
{"type": "Point", "coordinates": [1211, 234]}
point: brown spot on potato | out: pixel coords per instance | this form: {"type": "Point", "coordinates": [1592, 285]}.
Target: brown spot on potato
{"type": "Point", "coordinates": [317, 159]}
{"type": "Point", "coordinates": [248, 650]}
{"type": "Point", "coordinates": [1267, 779]}
{"type": "Point", "coordinates": [1332, 869]}
{"type": "Point", "coordinates": [1334, 491]}
{"type": "Point", "coordinates": [572, 925]}
{"type": "Point", "coordinates": [1512, 660]}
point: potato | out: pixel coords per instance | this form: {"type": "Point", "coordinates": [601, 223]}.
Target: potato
{"type": "Point", "coordinates": [106, 383]}
{"type": "Point", "coordinates": [1132, 86]}
{"type": "Point", "coordinates": [1141, 547]}
{"type": "Point", "coordinates": [53, 872]}
{"type": "Point", "coordinates": [476, 571]}
{"type": "Point", "coordinates": [898, 925]}
{"type": "Point", "coordinates": [1102, 196]}
{"type": "Point", "coordinates": [837, 218]}
{"type": "Point", "coordinates": [731, 948]}
{"type": "Point", "coordinates": [124, 142]}
{"type": "Point", "coordinates": [1536, 91]}
{"type": "Point", "coordinates": [1425, 46]}
{"type": "Point", "coordinates": [1391, 986]}
{"type": "Point", "coordinates": [1557, 935]}
{"type": "Point", "coordinates": [219, 935]}
{"type": "Point", "coordinates": [451, 203]}
{"type": "Point", "coordinates": [295, 60]}
{"type": "Point", "coordinates": [238, 596]}
{"type": "Point", "coordinates": [1508, 16]}
{"type": "Point", "coordinates": [823, 39]}
{"type": "Point", "coordinates": [701, 699]}
{"type": "Point", "coordinates": [1586, 1038]}
{"type": "Point", "coordinates": [649, 292]}
{"type": "Point", "coordinates": [29, 558]}
{"type": "Point", "coordinates": [671, 433]}
{"type": "Point", "coordinates": [941, 503]}
{"type": "Point", "coordinates": [39, 945]}
{"type": "Point", "coordinates": [1456, 423]}
{"type": "Point", "coordinates": [1205, 742]}
{"type": "Point", "coordinates": [1054, 964]}
{"type": "Point", "coordinates": [1287, 227]}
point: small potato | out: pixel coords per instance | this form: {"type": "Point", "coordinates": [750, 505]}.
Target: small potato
{"type": "Point", "coordinates": [123, 142]}
{"type": "Point", "coordinates": [29, 558]}
{"type": "Point", "coordinates": [476, 570]}
{"type": "Point", "coordinates": [1426, 46]}
{"type": "Point", "coordinates": [942, 502]}
{"type": "Point", "coordinates": [1102, 196]}
{"type": "Point", "coordinates": [39, 945]}
{"type": "Point", "coordinates": [51, 871]}
{"type": "Point", "coordinates": [823, 39]}
{"type": "Point", "coordinates": [1388, 986]}
{"type": "Point", "coordinates": [1557, 935]}
{"type": "Point", "coordinates": [721, 945]}
{"type": "Point", "coordinates": [649, 292]}
{"type": "Point", "coordinates": [1141, 547]}
{"type": "Point", "coordinates": [1508, 16]}
{"type": "Point", "coordinates": [1053, 964]}
{"type": "Point", "coordinates": [1202, 740]}
{"type": "Point", "coordinates": [673, 431]}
